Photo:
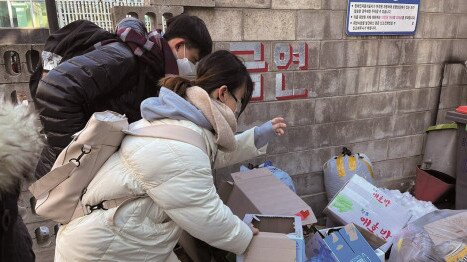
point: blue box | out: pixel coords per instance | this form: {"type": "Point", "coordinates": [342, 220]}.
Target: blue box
{"type": "Point", "coordinates": [345, 245]}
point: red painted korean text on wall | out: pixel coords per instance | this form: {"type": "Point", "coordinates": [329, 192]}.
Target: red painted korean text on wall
{"type": "Point", "coordinates": [284, 56]}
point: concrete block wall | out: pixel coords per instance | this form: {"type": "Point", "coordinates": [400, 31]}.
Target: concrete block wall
{"type": "Point", "coordinates": [453, 91]}
{"type": "Point", "coordinates": [155, 13]}
{"type": "Point", "coordinates": [23, 36]}
{"type": "Point", "coordinates": [375, 95]}
{"type": "Point", "coordinates": [17, 82]}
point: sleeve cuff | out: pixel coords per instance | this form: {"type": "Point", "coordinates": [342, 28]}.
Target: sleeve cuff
{"type": "Point", "coordinates": [248, 236]}
{"type": "Point", "coordinates": [263, 134]}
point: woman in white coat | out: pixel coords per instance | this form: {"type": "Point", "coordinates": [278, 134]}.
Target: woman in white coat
{"type": "Point", "coordinates": [171, 180]}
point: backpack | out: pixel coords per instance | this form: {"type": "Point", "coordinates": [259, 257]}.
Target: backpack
{"type": "Point", "coordinates": [58, 194]}
{"type": "Point", "coordinates": [74, 39]}
{"type": "Point", "coordinates": [340, 169]}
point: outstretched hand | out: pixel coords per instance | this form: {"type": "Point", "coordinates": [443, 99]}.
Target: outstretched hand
{"type": "Point", "coordinates": [278, 125]}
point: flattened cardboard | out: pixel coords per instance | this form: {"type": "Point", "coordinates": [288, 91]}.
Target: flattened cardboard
{"type": "Point", "coordinates": [449, 228]}
{"type": "Point", "coordinates": [270, 247]}
{"type": "Point", "coordinates": [280, 239]}
{"type": "Point", "coordinates": [366, 206]}
{"type": "Point", "coordinates": [374, 241]}
{"type": "Point", "coordinates": [259, 192]}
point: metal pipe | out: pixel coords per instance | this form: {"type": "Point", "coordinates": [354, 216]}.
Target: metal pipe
{"type": "Point", "coordinates": [52, 18]}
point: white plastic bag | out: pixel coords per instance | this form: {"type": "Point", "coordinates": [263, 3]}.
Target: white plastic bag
{"type": "Point", "coordinates": [340, 169]}
{"type": "Point", "coordinates": [417, 208]}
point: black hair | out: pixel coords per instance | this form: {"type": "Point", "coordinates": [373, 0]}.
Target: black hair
{"type": "Point", "coordinates": [215, 70]}
{"type": "Point", "coordinates": [191, 28]}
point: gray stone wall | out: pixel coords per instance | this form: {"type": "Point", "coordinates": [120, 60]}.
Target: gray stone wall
{"type": "Point", "coordinates": [23, 36]}
{"type": "Point", "coordinates": [375, 95]}
{"type": "Point", "coordinates": [12, 82]}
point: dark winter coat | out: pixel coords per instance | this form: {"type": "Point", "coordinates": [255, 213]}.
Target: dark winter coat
{"type": "Point", "coordinates": [108, 78]}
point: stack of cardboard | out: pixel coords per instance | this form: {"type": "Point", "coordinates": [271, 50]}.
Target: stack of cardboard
{"type": "Point", "coordinates": [371, 218]}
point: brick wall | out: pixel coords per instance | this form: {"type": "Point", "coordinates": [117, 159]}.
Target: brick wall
{"type": "Point", "coordinates": [11, 81]}
{"type": "Point", "coordinates": [375, 95]}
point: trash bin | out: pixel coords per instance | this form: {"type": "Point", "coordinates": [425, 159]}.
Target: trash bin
{"type": "Point", "coordinates": [431, 185]}
{"type": "Point", "coordinates": [440, 149]}
{"type": "Point", "coordinates": [460, 117]}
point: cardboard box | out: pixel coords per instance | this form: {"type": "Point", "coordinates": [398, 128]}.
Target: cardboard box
{"type": "Point", "coordinates": [311, 248]}
{"type": "Point", "coordinates": [381, 255]}
{"type": "Point", "coordinates": [366, 206]}
{"type": "Point", "coordinates": [280, 239]}
{"type": "Point", "coordinates": [259, 192]}
{"type": "Point", "coordinates": [347, 244]}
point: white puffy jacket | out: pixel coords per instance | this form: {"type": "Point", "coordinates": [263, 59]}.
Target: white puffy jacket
{"type": "Point", "coordinates": [176, 184]}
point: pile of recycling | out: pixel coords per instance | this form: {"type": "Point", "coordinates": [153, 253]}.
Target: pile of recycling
{"type": "Point", "coordinates": [364, 222]}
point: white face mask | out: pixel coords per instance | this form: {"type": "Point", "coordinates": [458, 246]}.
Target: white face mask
{"type": "Point", "coordinates": [185, 66]}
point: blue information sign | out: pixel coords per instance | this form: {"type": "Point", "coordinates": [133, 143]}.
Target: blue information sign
{"type": "Point", "coordinates": [382, 17]}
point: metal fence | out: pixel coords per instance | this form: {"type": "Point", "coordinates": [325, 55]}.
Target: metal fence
{"type": "Point", "coordinates": [97, 11]}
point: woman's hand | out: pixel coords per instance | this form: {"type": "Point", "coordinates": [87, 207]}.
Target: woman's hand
{"type": "Point", "coordinates": [266, 132]}
{"type": "Point", "coordinates": [278, 125]}
{"type": "Point", "coordinates": [254, 230]}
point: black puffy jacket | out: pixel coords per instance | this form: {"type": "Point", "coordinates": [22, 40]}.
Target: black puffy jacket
{"type": "Point", "coordinates": [108, 78]}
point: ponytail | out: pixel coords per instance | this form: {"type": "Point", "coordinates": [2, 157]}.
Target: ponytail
{"type": "Point", "coordinates": [177, 84]}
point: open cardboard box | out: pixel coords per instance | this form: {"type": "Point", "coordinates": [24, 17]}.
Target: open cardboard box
{"type": "Point", "coordinates": [259, 192]}
{"type": "Point", "coordinates": [378, 216]}
{"type": "Point", "coordinates": [280, 239]}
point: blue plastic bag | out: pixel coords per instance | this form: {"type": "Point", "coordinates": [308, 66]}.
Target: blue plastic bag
{"type": "Point", "coordinates": [278, 173]}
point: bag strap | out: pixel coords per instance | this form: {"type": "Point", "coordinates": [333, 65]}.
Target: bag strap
{"type": "Point", "coordinates": [369, 167]}
{"type": "Point", "coordinates": [51, 180]}
{"type": "Point", "coordinates": [173, 132]}
{"type": "Point", "coordinates": [82, 210]}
